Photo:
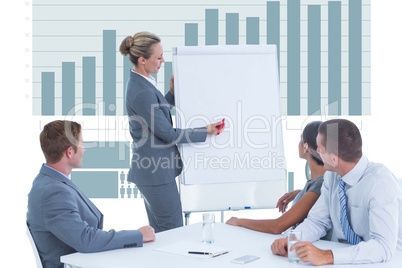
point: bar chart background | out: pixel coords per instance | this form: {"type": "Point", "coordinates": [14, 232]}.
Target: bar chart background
{"type": "Point", "coordinates": [324, 49]}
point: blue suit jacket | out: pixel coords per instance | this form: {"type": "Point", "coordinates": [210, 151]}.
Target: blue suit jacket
{"type": "Point", "coordinates": [63, 220]}
{"type": "Point", "coordinates": [156, 159]}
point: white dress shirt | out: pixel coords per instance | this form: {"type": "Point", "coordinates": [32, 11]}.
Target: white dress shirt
{"type": "Point", "coordinates": [151, 79]}
{"type": "Point", "coordinates": [68, 177]}
{"type": "Point", "coordinates": [374, 206]}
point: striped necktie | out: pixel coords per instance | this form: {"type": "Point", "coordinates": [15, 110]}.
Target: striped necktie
{"type": "Point", "coordinates": [350, 235]}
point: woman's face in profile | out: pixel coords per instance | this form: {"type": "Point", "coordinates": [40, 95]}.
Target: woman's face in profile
{"type": "Point", "coordinates": [154, 63]}
{"type": "Point", "coordinates": [302, 151]}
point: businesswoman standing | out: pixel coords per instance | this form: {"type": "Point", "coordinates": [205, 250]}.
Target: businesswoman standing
{"type": "Point", "coordinates": [303, 200]}
{"type": "Point", "coordinates": [156, 160]}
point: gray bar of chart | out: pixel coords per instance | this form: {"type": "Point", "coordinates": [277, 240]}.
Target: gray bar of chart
{"type": "Point", "coordinates": [293, 57]}
{"type": "Point", "coordinates": [68, 88]}
{"type": "Point", "coordinates": [355, 57]}
{"type": "Point", "coordinates": [167, 74]}
{"type": "Point", "coordinates": [291, 181]}
{"type": "Point", "coordinates": [334, 58]}
{"type": "Point", "coordinates": [97, 184]}
{"type": "Point", "coordinates": [314, 59]}
{"type": "Point", "coordinates": [127, 66]}
{"type": "Point", "coordinates": [48, 93]}
{"type": "Point", "coordinates": [109, 72]}
{"type": "Point", "coordinates": [252, 30]}
{"type": "Point", "coordinates": [191, 34]}
{"type": "Point", "coordinates": [88, 85]}
{"type": "Point", "coordinates": [100, 154]}
{"type": "Point", "coordinates": [273, 25]}
{"type": "Point", "coordinates": [232, 28]}
{"type": "Point", "coordinates": [211, 27]}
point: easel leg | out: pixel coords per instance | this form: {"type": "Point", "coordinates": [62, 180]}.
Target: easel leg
{"type": "Point", "coordinates": [186, 217]}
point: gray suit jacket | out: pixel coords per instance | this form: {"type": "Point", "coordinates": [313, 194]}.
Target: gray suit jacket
{"type": "Point", "coordinates": [156, 159]}
{"type": "Point", "coordinates": [63, 220]}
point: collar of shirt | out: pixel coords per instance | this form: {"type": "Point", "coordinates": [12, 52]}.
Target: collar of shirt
{"type": "Point", "coordinates": [354, 175]}
{"type": "Point", "coordinates": [150, 79]}
{"type": "Point", "coordinates": [59, 172]}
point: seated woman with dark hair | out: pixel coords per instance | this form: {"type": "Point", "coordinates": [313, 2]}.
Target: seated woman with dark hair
{"type": "Point", "coordinates": [303, 200]}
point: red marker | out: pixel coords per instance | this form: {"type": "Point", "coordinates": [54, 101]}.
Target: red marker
{"type": "Point", "coordinates": [220, 127]}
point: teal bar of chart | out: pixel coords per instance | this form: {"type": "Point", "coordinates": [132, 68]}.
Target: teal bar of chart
{"type": "Point", "coordinates": [88, 85]}
{"type": "Point", "coordinates": [334, 58]}
{"type": "Point", "coordinates": [48, 93]}
{"type": "Point", "coordinates": [167, 74]}
{"type": "Point", "coordinates": [127, 66]}
{"type": "Point", "coordinates": [68, 88]}
{"type": "Point", "coordinates": [314, 60]}
{"type": "Point", "coordinates": [273, 25]}
{"type": "Point", "coordinates": [355, 57]}
{"type": "Point", "coordinates": [191, 34]}
{"type": "Point", "coordinates": [253, 31]}
{"type": "Point", "coordinates": [104, 154]}
{"type": "Point", "coordinates": [323, 50]}
{"type": "Point", "coordinates": [293, 57]}
{"type": "Point", "coordinates": [291, 181]}
{"type": "Point", "coordinates": [109, 72]}
{"type": "Point", "coordinates": [97, 184]}
{"type": "Point", "coordinates": [211, 27]}
{"type": "Point", "coordinates": [232, 28]}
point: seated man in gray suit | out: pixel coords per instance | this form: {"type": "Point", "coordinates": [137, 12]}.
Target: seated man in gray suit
{"type": "Point", "coordinates": [61, 218]}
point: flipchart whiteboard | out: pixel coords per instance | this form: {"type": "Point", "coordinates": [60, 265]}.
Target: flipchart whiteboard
{"type": "Point", "coordinates": [244, 166]}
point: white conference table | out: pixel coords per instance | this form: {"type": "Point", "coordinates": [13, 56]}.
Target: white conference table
{"type": "Point", "coordinates": [240, 241]}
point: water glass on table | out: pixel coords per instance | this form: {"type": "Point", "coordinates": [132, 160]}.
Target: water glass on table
{"type": "Point", "coordinates": [294, 236]}
{"type": "Point", "coordinates": [208, 220]}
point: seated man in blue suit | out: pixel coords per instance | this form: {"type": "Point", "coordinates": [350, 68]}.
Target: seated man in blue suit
{"type": "Point", "coordinates": [61, 218]}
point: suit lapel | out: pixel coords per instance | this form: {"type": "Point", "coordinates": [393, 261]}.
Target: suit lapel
{"type": "Point", "coordinates": [164, 105]}
{"type": "Point", "coordinates": [61, 178]}
{"type": "Point", "coordinates": [90, 205]}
